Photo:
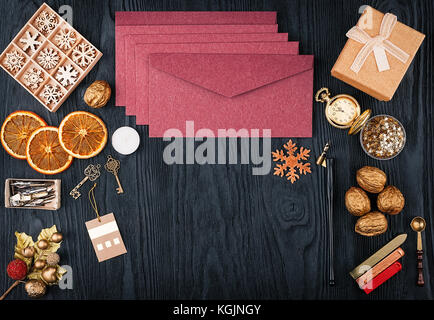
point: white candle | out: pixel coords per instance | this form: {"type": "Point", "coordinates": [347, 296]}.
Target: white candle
{"type": "Point", "coordinates": [125, 140]}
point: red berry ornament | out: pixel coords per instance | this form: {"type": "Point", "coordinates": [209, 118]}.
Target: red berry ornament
{"type": "Point", "coordinates": [17, 269]}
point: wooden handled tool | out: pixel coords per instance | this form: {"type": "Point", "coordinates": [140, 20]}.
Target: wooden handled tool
{"type": "Point", "coordinates": [420, 281]}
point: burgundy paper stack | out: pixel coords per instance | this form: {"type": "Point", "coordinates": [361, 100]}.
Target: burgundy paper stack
{"type": "Point", "coordinates": [220, 70]}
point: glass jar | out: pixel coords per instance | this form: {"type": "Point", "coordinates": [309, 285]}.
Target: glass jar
{"type": "Point", "coordinates": [382, 137]}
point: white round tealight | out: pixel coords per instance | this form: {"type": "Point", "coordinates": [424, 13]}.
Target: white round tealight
{"type": "Point", "coordinates": [125, 140]}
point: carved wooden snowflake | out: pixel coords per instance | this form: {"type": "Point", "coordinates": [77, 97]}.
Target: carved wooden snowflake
{"type": "Point", "coordinates": [65, 39]}
{"type": "Point", "coordinates": [46, 22]}
{"type": "Point", "coordinates": [291, 161]}
{"type": "Point", "coordinates": [33, 78]}
{"type": "Point", "coordinates": [51, 93]}
{"type": "Point", "coordinates": [14, 61]}
{"type": "Point", "coordinates": [29, 41]}
{"type": "Point", "coordinates": [83, 54]}
{"type": "Point", "coordinates": [48, 58]}
{"type": "Point", "coordinates": [66, 75]}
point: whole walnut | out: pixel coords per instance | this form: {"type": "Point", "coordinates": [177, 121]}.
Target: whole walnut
{"type": "Point", "coordinates": [97, 94]}
{"type": "Point", "coordinates": [357, 201]}
{"type": "Point", "coordinates": [371, 179]}
{"type": "Point", "coordinates": [371, 224]}
{"type": "Point", "coordinates": [390, 200]}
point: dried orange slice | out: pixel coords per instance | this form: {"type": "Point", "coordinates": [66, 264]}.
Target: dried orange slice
{"type": "Point", "coordinates": [44, 152]}
{"type": "Point", "coordinates": [16, 130]}
{"type": "Point", "coordinates": [82, 134]}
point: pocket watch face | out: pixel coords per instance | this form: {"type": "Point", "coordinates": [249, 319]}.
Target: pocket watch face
{"type": "Point", "coordinates": [342, 111]}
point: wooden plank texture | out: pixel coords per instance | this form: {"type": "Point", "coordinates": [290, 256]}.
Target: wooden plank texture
{"type": "Point", "coordinates": [217, 231]}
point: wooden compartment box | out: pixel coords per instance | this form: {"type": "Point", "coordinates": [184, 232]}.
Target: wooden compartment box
{"type": "Point", "coordinates": [49, 58]}
{"type": "Point", "coordinates": [52, 205]}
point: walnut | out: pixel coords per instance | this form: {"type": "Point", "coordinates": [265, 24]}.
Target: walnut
{"type": "Point", "coordinates": [371, 179]}
{"type": "Point", "coordinates": [390, 200]}
{"type": "Point", "coordinates": [97, 94]}
{"type": "Point", "coordinates": [357, 201]}
{"type": "Point", "coordinates": [371, 224]}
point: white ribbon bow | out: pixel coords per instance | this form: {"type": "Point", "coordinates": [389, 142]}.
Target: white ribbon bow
{"type": "Point", "coordinates": [378, 44]}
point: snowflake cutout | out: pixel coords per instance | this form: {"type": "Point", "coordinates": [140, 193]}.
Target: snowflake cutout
{"type": "Point", "coordinates": [291, 161]}
{"type": "Point", "coordinates": [83, 54]}
{"type": "Point", "coordinates": [65, 39]}
{"type": "Point", "coordinates": [14, 61]}
{"type": "Point", "coordinates": [46, 22]}
{"type": "Point", "coordinates": [30, 41]}
{"type": "Point", "coordinates": [48, 58]}
{"type": "Point", "coordinates": [51, 93]}
{"type": "Point", "coordinates": [33, 78]}
{"type": "Point", "coordinates": [66, 75]}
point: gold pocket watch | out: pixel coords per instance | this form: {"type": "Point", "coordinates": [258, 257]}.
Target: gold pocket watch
{"type": "Point", "coordinates": [343, 111]}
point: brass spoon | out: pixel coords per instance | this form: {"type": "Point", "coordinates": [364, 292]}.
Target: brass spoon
{"type": "Point", "coordinates": [418, 224]}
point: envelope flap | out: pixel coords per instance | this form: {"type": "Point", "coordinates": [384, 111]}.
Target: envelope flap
{"type": "Point", "coordinates": [231, 74]}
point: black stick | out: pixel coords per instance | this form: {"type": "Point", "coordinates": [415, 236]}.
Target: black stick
{"type": "Point", "coordinates": [330, 219]}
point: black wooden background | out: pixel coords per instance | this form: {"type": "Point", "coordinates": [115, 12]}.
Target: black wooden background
{"type": "Point", "coordinates": [216, 231]}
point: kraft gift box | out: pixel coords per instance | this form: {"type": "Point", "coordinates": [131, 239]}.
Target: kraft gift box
{"type": "Point", "coordinates": [399, 38]}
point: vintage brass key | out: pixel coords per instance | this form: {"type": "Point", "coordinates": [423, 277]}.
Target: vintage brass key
{"type": "Point", "coordinates": [113, 166]}
{"type": "Point", "coordinates": [91, 173]}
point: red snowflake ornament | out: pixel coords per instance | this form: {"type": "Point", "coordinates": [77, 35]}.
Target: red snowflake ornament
{"type": "Point", "coordinates": [290, 161]}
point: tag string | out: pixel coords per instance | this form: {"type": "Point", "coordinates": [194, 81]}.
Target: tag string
{"type": "Point", "coordinates": [93, 201]}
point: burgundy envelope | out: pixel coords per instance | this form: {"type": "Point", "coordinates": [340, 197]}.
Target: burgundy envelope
{"type": "Point", "coordinates": [122, 31]}
{"type": "Point", "coordinates": [132, 40]}
{"type": "Point", "coordinates": [224, 91]}
{"type": "Point", "coordinates": [194, 17]}
{"type": "Point", "coordinates": [141, 108]}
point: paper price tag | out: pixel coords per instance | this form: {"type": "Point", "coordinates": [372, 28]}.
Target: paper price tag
{"type": "Point", "coordinates": [106, 238]}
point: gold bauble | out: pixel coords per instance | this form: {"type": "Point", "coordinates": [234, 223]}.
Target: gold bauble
{"type": "Point", "coordinates": [28, 252]}
{"type": "Point", "coordinates": [56, 237]}
{"type": "Point", "coordinates": [49, 274]}
{"type": "Point", "coordinates": [35, 288]}
{"type": "Point", "coordinates": [40, 264]}
{"type": "Point", "coordinates": [43, 244]}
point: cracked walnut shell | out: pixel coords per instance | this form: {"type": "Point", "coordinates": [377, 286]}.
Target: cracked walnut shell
{"type": "Point", "coordinates": [371, 179]}
{"type": "Point", "coordinates": [357, 201]}
{"type": "Point", "coordinates": [390, 200]}
{"type": "Point", "coordinates": [371, 224]}
{"type": "Point", "coordinates": [97, 94]}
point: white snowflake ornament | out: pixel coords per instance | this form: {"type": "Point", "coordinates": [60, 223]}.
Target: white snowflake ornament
{"type": "Point", "coordinates": [33, 78]}
{"type": "Point", "coordinates": [48, 58]}
{"type": "Point", "coordinates": [66, 75]}
{"type": "Point", "coordinates": [65, 39]}
{"type": "Point", "coordinates": [51, 93]}
{"type": "Point", "coordinates": [83, 54]}
{"type": "Point", "coordinates": [14, 61]}
{"type": "Point", "coordinates": [46, 22]}
{"type": "Point", "coordinates": [29, 41]}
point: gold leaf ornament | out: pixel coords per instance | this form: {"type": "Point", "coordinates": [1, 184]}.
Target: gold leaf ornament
{"type": "Point", "coordinates": [52, 246]}
{"type": "Point", "coordinates": [37, 275]}
{"type": "Point", "coordinates": [23, 241]}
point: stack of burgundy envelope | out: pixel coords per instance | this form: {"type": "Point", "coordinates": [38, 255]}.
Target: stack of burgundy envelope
{"type": "Point", "coordinates": [219, 70]}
